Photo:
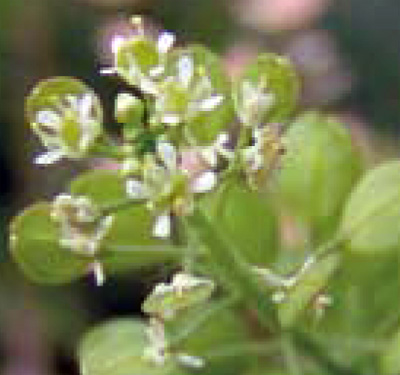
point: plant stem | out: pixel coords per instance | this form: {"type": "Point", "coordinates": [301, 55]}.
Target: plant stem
{"type": "Point", "coordinates": [123, 204]}
{"type": "Point", "coordinates": [311, 349]}
{"type": "Point", "coordinates": [228, 261]}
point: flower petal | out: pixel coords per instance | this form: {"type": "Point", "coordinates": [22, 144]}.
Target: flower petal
{"type": "Point", "coordinates": [165, 41]}
{"type": "Point", "coordinates": [48, 158]}
{"type": "Point", "coordinates": [156, 71]}
{"type": "Point", "coordinates": [204, 182]}
{"type": "Point", "coordinates": [185, 70]}
{"type": "Point", "coordinates": [170, 119]}
{"type": "Point", "coordinates": [210, 103]}
{"type": "Point", "coordinates": [48, 118]}
{"type": "Point", "coordinates": [146, 84]}
{"type": "Point", "coordinates": [162, 226]}
{"type": "Point", "coordinates": [116, 43]}
{"type": "Point", "coordinates": [167, 153]}
{"type": "Point", "coordinates": [98, 272]}
{"type": "Point", "coordinates": [136, 189]}
{"type": "Point", "coordinates": [108, 71]}
{"type": "Point", "coordinates": [85, 105]}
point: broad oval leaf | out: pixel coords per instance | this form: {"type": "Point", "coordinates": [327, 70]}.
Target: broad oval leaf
{"type": "Point", "coordinates": [117, 347]}
{"type": "Point", "coordinates": [104, 187]}
{"type": "Point", "coordinates": [248, 219]}
{"type": "Point", "coordinates": [129, 242]}
{"type": "Point", "coordinates": [318, 169]}
{"type": "Point", "coordinates": [34, 240]}
{"type": "Point", "coordinates": [371, 218]}
{"type": "Point", "coordinates": [209, 332]}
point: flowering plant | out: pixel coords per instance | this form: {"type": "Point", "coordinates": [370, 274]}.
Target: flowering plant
{"type": "Point", "coordinates": [270, 219]}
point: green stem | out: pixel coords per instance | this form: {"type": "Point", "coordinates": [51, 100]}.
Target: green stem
{"type": "Point", "coordinates": [228, 261]}
{"type": "Point", "coordinates": [318, 354]}
{"type": "Point", "coordinates": [243, 349]}
{"type": "Point", "coordinates": [121, 205]}
{"type": "Point", "coordinates": [290, 356]}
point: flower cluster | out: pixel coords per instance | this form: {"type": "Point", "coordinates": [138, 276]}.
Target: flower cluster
{"type": "Point", "coordinates": [175, 137]}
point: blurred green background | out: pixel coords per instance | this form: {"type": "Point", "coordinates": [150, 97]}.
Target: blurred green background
{"type": "Point", "coordinates": [348, 56]}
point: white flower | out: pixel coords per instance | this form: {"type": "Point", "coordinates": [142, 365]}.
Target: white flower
{"type": "Point", "coordinates": [146, 78]}
{"type": "Point", "coordinates": [169, 187]}
{"type": "Point", "coordinates": [185, 95]}
{"type": "Point", "coordinates": [82, 229]}
{"type": "Point", "coordinates": [253, 102]}
{"type": "Point", "coordinates": [69, 128]}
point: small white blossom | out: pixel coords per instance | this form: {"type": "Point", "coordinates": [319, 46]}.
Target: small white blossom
{"type": "Point", "coordinates": [147, 78]}
{"type": "Point", "coordinates": [169, 186]}
{"type": "Point", "coordinates": [253, 103]}
{"type": "Point", "coordinates": [185, 95]}
{"type": "Point", "coordinates": [68, 129]}
{"type": "Point", "coordinates": [82, 229]}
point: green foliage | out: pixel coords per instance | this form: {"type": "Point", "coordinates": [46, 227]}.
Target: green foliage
{"type": "Point", "coordinates": [128, 244]}
{"type": "Point", "coordinates": [208, 175]}
{"type": "Point", "coordinates": [306, 289]}
{"type": "Point", "coordinates": [371, 216]}
{"type": "Point", "coordinates": [319, 168]}
{"type": "Point", "coordinates": [257, 238]}
{"type": "Point", "coordinates": [105, 187]}
{"type": "Point", "coordinates": [116, 347]}
{"type": "Point", "coordinates": [390, 362]}
{"type": "Point", "coordinates": [35, 246]}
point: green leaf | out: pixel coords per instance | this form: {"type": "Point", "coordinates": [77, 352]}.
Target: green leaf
{"type": "Point", "coordinates": [310, 284]}
{"type": "Point", "coordinates": [319, 168]}
{"type": "Point", "coordinates": [276, 75]}
{"type": "Point", "coordinates": [390, 359]}
{"type": "Point", "coordinates": [117, 348]}
{"type": "Point", "coordinates": [209, 332]}
{"type": "Point", "coordinates": [104, 187]}
{"type": "Point", "coordinates": [248, 219]}
{"type": "Point", "coordinates": [35, 247]}
{"type": "Point", "coordinates": [129, 242]}
{"type": "Point", "coordinates": [205, 126]}
{"type": "Point", "coordinates": [371, 219]}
